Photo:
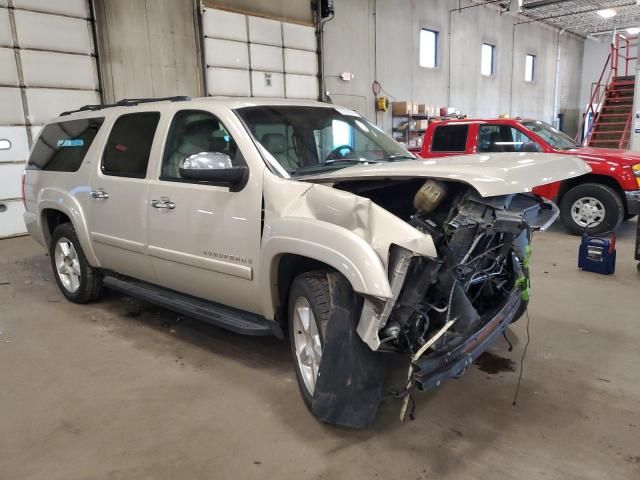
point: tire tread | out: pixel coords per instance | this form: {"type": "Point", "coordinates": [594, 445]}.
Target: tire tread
{"type": "Point", "coordinates": [91, 282]}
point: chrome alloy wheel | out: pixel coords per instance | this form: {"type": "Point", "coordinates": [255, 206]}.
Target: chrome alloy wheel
{"type": "Point", "coordinates": [587, 211]}
{"type": "Point", "coordinates": [307, 342]}
{"type": "Point", "coordinates": [67, 265]}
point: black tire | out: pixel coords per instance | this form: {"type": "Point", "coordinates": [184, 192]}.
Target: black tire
{"type": "Point", "coordinates": [314, 287]}
{"type": "Point", "coordinates": [608, 197]}
{"type": "Point", "coordinates": [90, 284]}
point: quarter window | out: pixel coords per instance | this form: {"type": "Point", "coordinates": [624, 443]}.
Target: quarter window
{"type": "Point", "coordinates": [196, 131]}
{"type": "Point", "coordinates": [450, 138]}
{"type": "Point", "coordinates": [502, 138]}
{"type": "Point", "coordinates": [129, 145]}
{"type": "Point", "coordinates": [429, 48]}
{"type": "Point", "coordinates": [61, 147]}
{"type": "Point", "coordinates": [487, 59]}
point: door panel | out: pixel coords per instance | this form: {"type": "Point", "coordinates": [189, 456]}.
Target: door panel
{"type": "Point", "coordinates": [118, 203]}
{"type": "Point", "coordinates": [207, 244]}
{"type": "Point", "coordinates": [118, 223]}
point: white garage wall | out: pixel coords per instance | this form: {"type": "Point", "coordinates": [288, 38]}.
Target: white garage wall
{"type": "Point", "coordinates": [47, 66]}
{"type": "Point", "coordinates": [247, 55]}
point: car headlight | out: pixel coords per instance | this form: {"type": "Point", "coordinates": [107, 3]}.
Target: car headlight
{"type": "Point", "coordinates": [636, 172]}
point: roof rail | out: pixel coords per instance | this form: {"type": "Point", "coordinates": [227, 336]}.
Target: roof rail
{"type": "Point", "coordinates": [127, 102]}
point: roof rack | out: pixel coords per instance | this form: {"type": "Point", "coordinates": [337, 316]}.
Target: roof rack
{"type": "Point", "coordinates": [127, 102]}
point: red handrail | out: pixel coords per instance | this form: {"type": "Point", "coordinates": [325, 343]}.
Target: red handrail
{"type": "Point", "coordinates": [599, 88]}
{"type": "Point", "coordinates": [627, 126]}
{"type": "Point", "coordinates": [595, 95]}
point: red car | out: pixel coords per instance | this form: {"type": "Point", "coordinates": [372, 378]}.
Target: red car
{"type": "Point", "coordinates": [600, 200]}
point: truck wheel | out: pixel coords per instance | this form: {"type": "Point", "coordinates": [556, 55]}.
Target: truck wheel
{"type": "Point", "coordinates": [309, 309]}
{"type": "Point", "coordinates": [77, 280]}
{"type": "Point", "coordinates": [591, 204]}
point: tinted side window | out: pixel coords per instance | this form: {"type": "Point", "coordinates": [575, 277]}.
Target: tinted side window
{"type": "Point", "coordinates": [62, 146]}
{"type": "Point", "coordinates": [503, 138]}
{"type": "Point", "coordinates": [127, 151]}
{"type": "Point", "coordinates": [195, 131]}
{"type": "Point", "coordinates": [450, 138]}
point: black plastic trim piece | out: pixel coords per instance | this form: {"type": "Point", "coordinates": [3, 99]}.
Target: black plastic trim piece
{"type": "Point", "coordinates": [432, 370]}
{"type": "Point", "coordinates": [127, 102]}
{"type": "Point", "coordinates": [222, 316]}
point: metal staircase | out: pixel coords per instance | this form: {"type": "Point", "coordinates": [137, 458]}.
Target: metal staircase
{"type": "Point", "coordinates": [612, 127]}
{"type": "Point", "coordinates": [607, 121]}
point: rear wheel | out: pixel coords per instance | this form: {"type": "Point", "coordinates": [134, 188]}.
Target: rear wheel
{"type": "Point", "coordinates": [309, 307]}
{"type": "Point", "coordinates": [77, 280]}
{"type": "Point", "coordinates": [591, 205]}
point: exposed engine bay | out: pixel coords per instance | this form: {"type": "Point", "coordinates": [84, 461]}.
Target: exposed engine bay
{"type": "Point", "coordinates": [445, 310]}
{"type": "Point", "coordinates": [483, 248]}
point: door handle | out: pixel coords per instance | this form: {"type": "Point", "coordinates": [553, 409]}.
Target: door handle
{"type": "Point", "coordinates": [164, 202]}
{"type": "Point", "coordinates": [100, 193]}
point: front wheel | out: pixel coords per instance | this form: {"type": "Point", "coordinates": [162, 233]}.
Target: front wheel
{"type": "Point", "coordinates": [591, 205]}
{"type": "Point", "coordinates": [309, 302]}
{"type": "Point", "coordinates": [77, 280]}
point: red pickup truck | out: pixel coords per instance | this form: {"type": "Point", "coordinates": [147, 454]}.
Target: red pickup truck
{"type": "Point", "coordinates": [600, 200]}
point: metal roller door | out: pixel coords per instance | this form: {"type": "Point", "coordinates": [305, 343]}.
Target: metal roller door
{"type": "Point", "coordinates": [248, 55]}
{"type": "Point", "coordinates": [47, 66]}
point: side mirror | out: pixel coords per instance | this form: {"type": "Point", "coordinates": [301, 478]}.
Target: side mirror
{"type": "Point", "coordinates": [212, 167]}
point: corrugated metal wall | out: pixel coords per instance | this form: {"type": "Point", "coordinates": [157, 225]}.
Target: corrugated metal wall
{"type": "Point", "coordinates": [47, 65]}
{"type": "Point", "coordinates": [249, 55]}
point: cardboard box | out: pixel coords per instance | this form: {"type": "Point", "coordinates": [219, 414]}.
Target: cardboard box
{"type": "Point", "coordinates": [422, 124]}
{"type": "Point", "coordinates": [422, 109]}
{"type": "Point", "coordinates": [402, 108]}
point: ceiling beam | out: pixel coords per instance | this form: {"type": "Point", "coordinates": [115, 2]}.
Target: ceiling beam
{"type": "Point", "coordinates": [541, 3]}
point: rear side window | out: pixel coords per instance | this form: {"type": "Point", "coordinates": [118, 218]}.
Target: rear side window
{"type": "Point", "coordinates": [127, 151]}
{"type": "Point", "coordinates": [450, 138]}
{"type": "Point", "coordinates": [62, 146]}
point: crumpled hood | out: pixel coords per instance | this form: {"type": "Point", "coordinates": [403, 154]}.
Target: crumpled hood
{"type": "Point", "coordinates": [490, 174]}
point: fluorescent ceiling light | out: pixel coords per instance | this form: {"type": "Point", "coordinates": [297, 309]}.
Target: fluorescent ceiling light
{"type": "Point", "coordinates": [633, 30]}
{"type": "Point", "coordinates": [606, 13]}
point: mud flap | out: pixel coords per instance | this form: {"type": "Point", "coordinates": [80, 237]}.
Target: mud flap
{"type": "Point", "coordinates": [351, 376]}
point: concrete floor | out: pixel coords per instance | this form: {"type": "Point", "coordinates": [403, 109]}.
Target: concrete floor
{"type": "Point", "coordinates": [120, 390]}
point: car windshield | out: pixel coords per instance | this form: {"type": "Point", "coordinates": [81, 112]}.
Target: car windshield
{"type": "Point", "coordinates": [552, 136]}
{"type": "Point", "coordinates": [303, 140]}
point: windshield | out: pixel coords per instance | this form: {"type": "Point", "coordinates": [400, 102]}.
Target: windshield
{"type": "Point", "coordinates": [307, 140]}
{"type": "Point", "coordinates": [552, 136]}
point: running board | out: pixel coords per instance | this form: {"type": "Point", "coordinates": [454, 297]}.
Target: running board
{"type": "Point", "coordinates": [238, 321]}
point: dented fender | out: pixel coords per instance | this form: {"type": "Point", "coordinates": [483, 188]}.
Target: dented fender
{"type": "Point", "coordinates": [329, 244]}
{"type": "Point", "coordinates": [348, 232]}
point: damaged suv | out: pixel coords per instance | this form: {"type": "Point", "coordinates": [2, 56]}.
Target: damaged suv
{"type": "Point", "coordinates": [300, 218]}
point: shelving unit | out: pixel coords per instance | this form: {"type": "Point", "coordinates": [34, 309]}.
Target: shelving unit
{"type": "Point", "coordinates": [407, 133]}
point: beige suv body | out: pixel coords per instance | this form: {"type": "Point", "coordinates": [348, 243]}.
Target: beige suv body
{"type": "Point", "coordinates": [218, 207]}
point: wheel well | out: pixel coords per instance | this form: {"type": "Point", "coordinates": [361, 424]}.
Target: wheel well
{"type": "Point", "coordinates": [50, 220]}
{"type": "Point", "coordinates": [592, 178]}
{"type": "Point", "coordinates": [289, 267]}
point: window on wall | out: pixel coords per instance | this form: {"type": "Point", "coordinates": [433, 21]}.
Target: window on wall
{"type": "Point", "coordinates": [487, 59]}
{"type": "Point", "coordinates": [529, 68]}
{"type": "Point", "coordinates": [429, 48]}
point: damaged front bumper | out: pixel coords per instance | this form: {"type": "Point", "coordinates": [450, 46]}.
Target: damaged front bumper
{"type": "Point", "coordinates": [433, 368]}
